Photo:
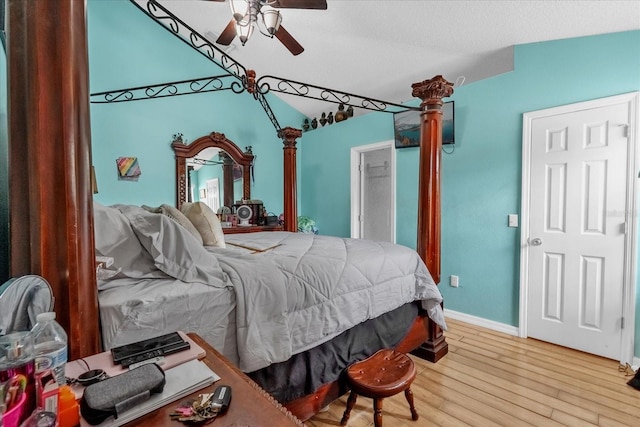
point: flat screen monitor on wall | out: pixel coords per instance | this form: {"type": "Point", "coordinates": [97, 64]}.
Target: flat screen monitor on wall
{"type": "Point", "coordinates": [406, 127]}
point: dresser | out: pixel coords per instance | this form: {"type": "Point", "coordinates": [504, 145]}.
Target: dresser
{"type": "Point", "coordinates": [251, 229]}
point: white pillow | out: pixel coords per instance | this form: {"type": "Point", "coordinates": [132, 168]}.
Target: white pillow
{"type": "Point", "coordinates": [206, 222]}
{"type": "Point", "coordinates": [178, 217]}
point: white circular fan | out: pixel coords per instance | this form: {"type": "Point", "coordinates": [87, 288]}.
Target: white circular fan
{"type": "Point", "coordinates": [244, 214]}
{"type": "Point", "coordinates": [224, 210]}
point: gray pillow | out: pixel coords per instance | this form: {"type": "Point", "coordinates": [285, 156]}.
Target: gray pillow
{"type": "Point", "coordinates": [115, 238]}
{"type": "Point", "coordinates": [173, 249]}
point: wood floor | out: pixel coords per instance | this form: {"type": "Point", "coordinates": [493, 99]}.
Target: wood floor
{"type": "Point", "coordinates": [493, 379]}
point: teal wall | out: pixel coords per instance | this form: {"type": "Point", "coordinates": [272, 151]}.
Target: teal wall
{"type": "Point", "coordinates": [481, 179]}
{"type": "Point", "coordinates": [485, 170]}
{"type": "Point", "coordinates": [128, 49]}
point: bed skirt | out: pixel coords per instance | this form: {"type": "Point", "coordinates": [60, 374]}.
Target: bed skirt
{"type": "Point", "coordinates": [305, 372]}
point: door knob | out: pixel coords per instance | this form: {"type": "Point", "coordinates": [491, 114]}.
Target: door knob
{"type": "Point", "coordinates": [535, 242]}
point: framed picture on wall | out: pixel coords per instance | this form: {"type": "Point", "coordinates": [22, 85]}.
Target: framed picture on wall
{"type": "Point", "coordinates": [406, 127]}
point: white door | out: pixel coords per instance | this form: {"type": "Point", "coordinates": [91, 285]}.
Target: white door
{"type": "Point", "coordinates": [580, 195]}
{"type": "Point", "coordinates": [213, 194]}
{"type": "Point", "coordinates": [373, 195]}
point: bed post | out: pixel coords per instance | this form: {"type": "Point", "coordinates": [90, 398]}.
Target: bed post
{"type": "Point", "coordinates": [431, 93]}
{"type": "Point", "coordinates": [227, 179]}
{"type": "Point", "coordinates": [289, 136]}
{"type": "Point", "coordinates": [51, 206]}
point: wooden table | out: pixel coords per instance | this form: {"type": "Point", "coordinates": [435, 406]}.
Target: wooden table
{"type": "Point", "coordinates": [250, 405]}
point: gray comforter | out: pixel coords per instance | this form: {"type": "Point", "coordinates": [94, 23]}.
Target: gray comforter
{"type": "Point", "coordinates": [293, 291]}
{"type": "Point", "coordinates": [310, 288]}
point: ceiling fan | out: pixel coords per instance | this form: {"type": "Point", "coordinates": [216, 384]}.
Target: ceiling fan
{"type": "Point", "coordinates": [248, 14]}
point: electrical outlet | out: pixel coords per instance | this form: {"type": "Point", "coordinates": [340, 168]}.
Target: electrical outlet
{"type": "Point", "coordinates": [453, 281]}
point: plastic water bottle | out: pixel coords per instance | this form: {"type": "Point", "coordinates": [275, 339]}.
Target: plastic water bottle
{"type": "Point", "coordinates": [50, 346]}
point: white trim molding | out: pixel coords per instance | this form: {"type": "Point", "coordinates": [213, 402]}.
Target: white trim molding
{"type": "Point", "coordinates": [484, 323]}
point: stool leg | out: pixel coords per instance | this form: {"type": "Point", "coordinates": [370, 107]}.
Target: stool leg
{"type": "Point", "coordinates": [377, 412]}
{"type": "Point", "coordinates": [350, 403]}
{"type": "Point", "coordinates": [409, 395]}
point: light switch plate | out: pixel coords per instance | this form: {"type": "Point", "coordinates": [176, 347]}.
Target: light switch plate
{"type": "Point", "coordinates": [513, 220]}
{"type": "Point", "coordinates": [453, 281]}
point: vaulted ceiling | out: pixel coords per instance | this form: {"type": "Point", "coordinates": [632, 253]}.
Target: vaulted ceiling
{"type": "Point", "coordinates": [378, 48]}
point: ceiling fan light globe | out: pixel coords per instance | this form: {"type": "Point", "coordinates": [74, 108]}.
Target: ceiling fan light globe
{"type": "Point", "coordinates": [272, 20]}
{"type": "Point", "coordinates": [244, 32]}
{"type": "Point", "coordinates": [239, 9]}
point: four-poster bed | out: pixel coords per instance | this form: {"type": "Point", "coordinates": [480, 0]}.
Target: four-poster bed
{"type": "Point", "coordinates": [65, 255]}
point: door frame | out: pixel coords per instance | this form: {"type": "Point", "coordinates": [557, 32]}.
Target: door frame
{"type": "Point", "coordinates": [629, 285]}
{"type": "Point", "coordinates": [356, 199]}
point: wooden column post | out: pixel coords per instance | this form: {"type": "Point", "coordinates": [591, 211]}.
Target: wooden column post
{"type": "Point", "coordinates": [431, 93]}
{"type": "Point", "coordinates": [227, 179]}
{"type": "Point", "coordinates": [51, 205]}
{"type": "Point", "coordinates": [289, 136]}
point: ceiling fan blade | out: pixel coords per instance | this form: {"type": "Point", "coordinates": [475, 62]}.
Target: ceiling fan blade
{"type": "Point", "coordinates": [300, 4]}
{"type": "Point", "coordinates": [288, 41]}
{"type": "Point", "coordinates": [228, 34]}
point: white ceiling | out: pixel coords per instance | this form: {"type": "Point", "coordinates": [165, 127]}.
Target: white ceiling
{"type": "Point", "coordinates": [378, 48]}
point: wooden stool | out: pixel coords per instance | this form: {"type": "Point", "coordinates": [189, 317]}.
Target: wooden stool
{"type": "Point", "coordinates": [383, 374]}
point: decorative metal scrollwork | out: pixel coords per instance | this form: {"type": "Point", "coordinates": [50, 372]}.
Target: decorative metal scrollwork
{"type": "Point", "coordinates": [266, 84]}
{"type": "Point", "coordinates": [204, 162]}
{"type": "Point", "coordinates": [182, 87]}
{"type": "Point", "coordinates": [156, 92]}
{"type": "Point", "coordinates": [190, 36]}
{"type": "Point", "coordinates": [267, 109]}
{"type": "Point", "coordinates": [216, 84]}
{"type": "Point", "coordinates": [243, 79]}
{"type": "Point", "coordinates": [238, 87]}
{"type": "Point", "coordinates": [119, 96]}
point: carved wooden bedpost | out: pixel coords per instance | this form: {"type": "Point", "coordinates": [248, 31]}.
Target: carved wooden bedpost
{"type": "Point", "coordinates": [227, 179]}
{"type": "Point", "coordinates": [289, 136]}
{"type": "Point", "coordinates": [50, 195]}
{"type": "Point", "coordinates": [431, 93]}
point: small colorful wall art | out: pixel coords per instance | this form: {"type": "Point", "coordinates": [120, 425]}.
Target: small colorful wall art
{"type": "Point", "coordinates": [128, 168]}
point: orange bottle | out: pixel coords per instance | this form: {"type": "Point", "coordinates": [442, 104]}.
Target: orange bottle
{"type": "Point", "coordinates": [68, 408]}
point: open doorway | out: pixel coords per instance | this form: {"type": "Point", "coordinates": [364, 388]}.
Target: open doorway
{"type": "Point", "coordinates": [213, 194]}
{"type": "Point", "coordinates": [373, 179]}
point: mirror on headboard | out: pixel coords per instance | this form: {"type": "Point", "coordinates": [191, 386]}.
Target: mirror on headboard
{"type": "Point", "coordinates": [229, 155]}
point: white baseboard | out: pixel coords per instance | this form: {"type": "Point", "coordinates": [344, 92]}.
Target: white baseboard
{"type": "Point", "coordinates": [479, 321]}
{"type": "Point", "coordinates": [499, 327]}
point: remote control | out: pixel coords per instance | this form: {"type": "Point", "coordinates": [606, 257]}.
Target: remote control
{"type": "Point", "coordinates": [140, 358]}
